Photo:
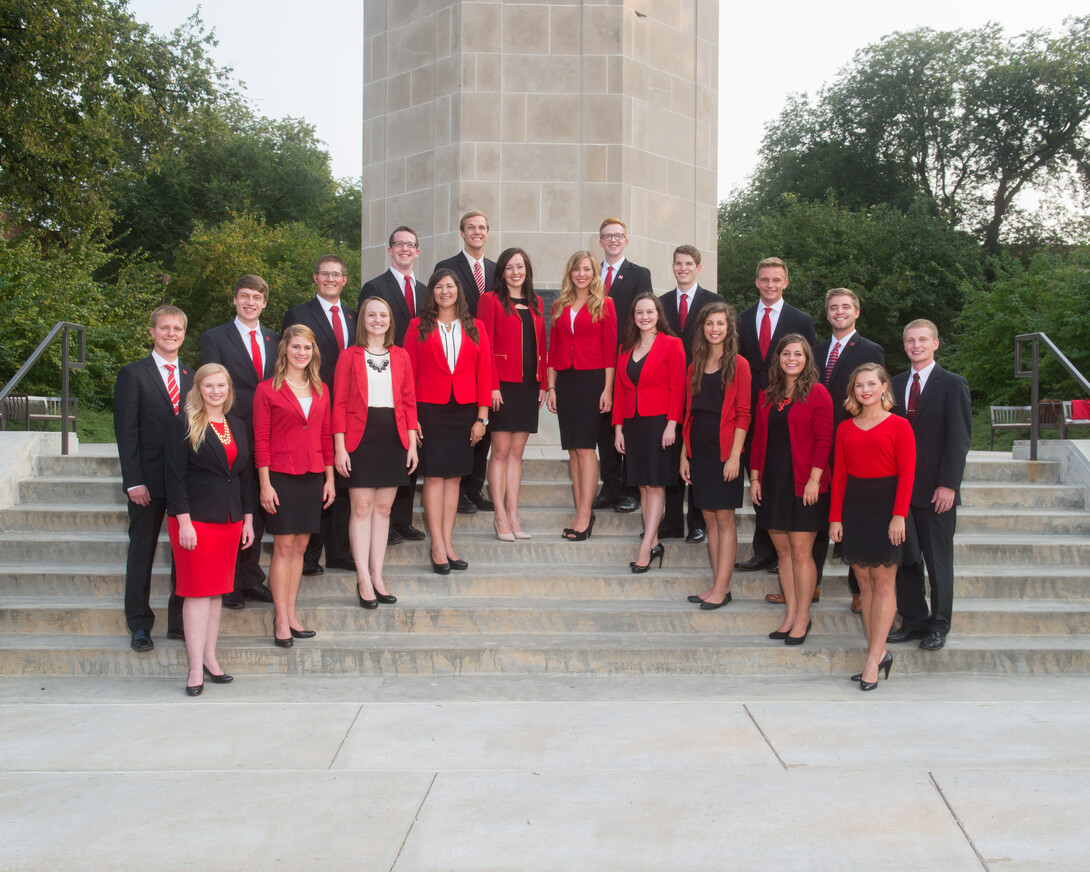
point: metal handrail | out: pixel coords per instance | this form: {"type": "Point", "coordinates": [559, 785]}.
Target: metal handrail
{"type": "Point", "coordinates": [60, 328]}
{"type": "Point", "coordinates": [1039, 339]}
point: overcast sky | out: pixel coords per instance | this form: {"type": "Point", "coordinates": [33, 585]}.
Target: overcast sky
{"type": "Point", "coordinates": [304, 58]}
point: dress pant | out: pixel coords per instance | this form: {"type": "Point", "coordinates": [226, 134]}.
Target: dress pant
{"type": "Point", "coordinates": [401, 513]}
{"type": "Point", "coordinates": [248, 571]}
{"type": "Point", "coordinates": [145, 524]}
{"type": "Point", "coordinates": [763, 549]}
{"type": "Point", "coordinates": [334, 534]}
{"type": "Point", "coordinates": [474, 482]}
{"type": "Point", "coordinates": [675, 505]}
{"type": "Point", "coordinates": [936, 536]}
{"type": "Point", "coordinates": [611, 462]}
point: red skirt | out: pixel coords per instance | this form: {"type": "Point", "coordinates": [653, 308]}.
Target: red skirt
{"type": "Point", "coordinates": [209, 569]}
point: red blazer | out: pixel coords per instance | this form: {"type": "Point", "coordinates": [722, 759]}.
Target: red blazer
{"type": "Point", "coordinates": [350, 395]}
{"type": "Point", "coordinates": [736, 414]}
{"type": "Point", "coordinates": [811, 426]}
{"type": "Point", "coordinates": [505, 334]}
{"type": "Point", "coordinates": [662, 383]}
{"type": "Point", "coordinates": [284, 439]}
{"type": "Point", "coordinates": [593, 344]}
{"type": "Point", "coordinates": [472, 378]}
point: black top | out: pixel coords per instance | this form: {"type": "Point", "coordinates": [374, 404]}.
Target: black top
{"type": "Point", "coordinates": [710, 398]}
{"type": "Point", "coordinates": [634, 369]}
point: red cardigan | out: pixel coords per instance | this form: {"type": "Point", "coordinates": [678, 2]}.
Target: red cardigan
{"type": "Point", "coordinates": [472, 377]}
{"type": "Point", "coordinates": [811, 426]}
{"type": "Point", "coordinates": [592, 345]}
{"type": "Point", "coordinates": [284, 439]}
{"type": "Point", "coordinates": [736, 414]}
{"type": "Point", "coordinates": [661, 390]}
{"type": "Point", "coordinates": [505, 334]}
{"type": "Point", "coordinates": [350, 395]}
{"type": "Point", "coordinates": [886, 449]}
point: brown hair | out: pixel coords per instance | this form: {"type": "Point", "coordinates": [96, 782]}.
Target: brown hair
{"type": "Point", "coordinates": [499, 283]}
{"type": "Point", "coordinates": [462, 223]}
{"type": "Point", "coordinates": [632, 332]}
{"type": "Point", "coordinates": [841, 292]}
{"type": "Point", "coordinates": [330, 258]}
{"type": "Point", "coordinates": [702, 348]}
{"type": "Point", "coordinates": [429, 311]}
{"type": "Point", "coordinates": [407, 229]}
{"type": "Point", "coordinates": [777, 379]}
{"type": "Point", "coordinates": [250, 282]}
{"type": "Point", "coordinates": [769, 263]}
{"type": "Point", "coordinates": [690, 250]}
{"type": "Point", "coordinates": [361, 328]}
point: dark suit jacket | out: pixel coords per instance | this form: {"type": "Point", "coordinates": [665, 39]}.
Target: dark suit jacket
{"type": "Point", "coordinates": [460, 267]}
{"type": "Point", "coordinates": [224, 345]}
{"type": "Point", "coordinates": [313, 316]}
{"type": "Point", "coordinates": [857, 351]}
{"type": "Point", "coordinates": [669, 304]}
{"type": "Point", "coordinates": [143, 420]}
{"type": "Point", "coordinates": [629, 283]}
{"type": "Point", "coordinates": [200, 483]}
{"type": "Point", "coordinates": [791, 321]}
{"type": "Point", "coordinates": [943, 428]}
{"type": "Point", "coordinates": [386, 287]}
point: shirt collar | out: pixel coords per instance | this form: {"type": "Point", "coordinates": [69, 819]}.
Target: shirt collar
{"type": "Point", "coordinates": [161, 361]}
{"type": "Point", "coordinates": [326, 305]}
{"type": "Point", "coordinates": [776, 307]}
{"type": "Point", "coordinates": [244, 330]}
{"type": "Point", "coordinates": [399, 277]}
{"type": "Point", "coordinates": [616, 268]}
{"type": "Point", "coordinates": [843, 343]}
{"type": "Point", "coordinates": [471, 260]}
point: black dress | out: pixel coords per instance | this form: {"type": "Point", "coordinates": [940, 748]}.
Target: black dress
{"type": "Point", "coordinates": [705, 468]}
{"type": "Point", "coordinates": [780, 509]}
{"type": "Point", "coordinates": [646, 463]}
{"type": "Point", "coordinates": [518, 414]}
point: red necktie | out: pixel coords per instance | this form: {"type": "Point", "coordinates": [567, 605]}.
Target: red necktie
{"type": "Point", "coordinates": [765, 339]}
{"type": "Point", "coordinates": [609, 279]}
{"type": "Point", "coordinates": [833, 355]}
{"type": "Point", "coordinates": [683, 310]}
{"type": "Point", "coordinates": [172, 387]}
{"type": "Point", "coordinates": [478, 276]}
{"type": "Point", "coordinates": [409, 297]}
{"type": "Point", "coordinates": [338, 329]}
{"type": "Point", "coordinates": [255, 351]}
{"type": "Point", "coordinates": [914, 395]}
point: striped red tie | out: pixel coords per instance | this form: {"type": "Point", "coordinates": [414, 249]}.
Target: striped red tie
{"type": "Point", "coordinates": [833, 355]}
{"type": "Point", "coordinates": [914, 396]}
{"type": "Point", "coordinates": [172, 387]}
{"type": "Point", "coordinates": [478, 276]}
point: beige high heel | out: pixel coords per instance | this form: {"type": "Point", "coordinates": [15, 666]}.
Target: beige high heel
{"type": "Point", "coordinates": [503, 537]}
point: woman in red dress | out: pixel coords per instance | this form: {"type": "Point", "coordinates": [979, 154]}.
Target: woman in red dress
{"type": "Point", "coordinates": [210, 501]}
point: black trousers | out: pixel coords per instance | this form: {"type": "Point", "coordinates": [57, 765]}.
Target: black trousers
{"type": "Point", "coordinates": [248, 571]}
{"type": "Point", "coordinates": [675, 505]}
{"type": "Point", "coordinates": [145, 524]}
{"type": "Point", "coordinates": [474, 482]}
{"type": "Point", "coordinates": [401, 514]}
{"type": "Point", "coordinates": [936, 535]}
{"type": "Point", "coordinates": [763, 549]}
{"type": "Point", "coordinates": [611, 462]}
{"type": "Point", "coordinates": [334, 535]}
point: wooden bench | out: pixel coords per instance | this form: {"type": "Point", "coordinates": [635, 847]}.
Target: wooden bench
{"type": "Point", "coordinates": [1009, 418]}
{"type": "Point", "coordinates": [27, 409]}
{"type": "Point", "coordinates": [1068, 421]}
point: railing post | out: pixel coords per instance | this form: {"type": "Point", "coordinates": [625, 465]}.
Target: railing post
{"type": "Point", "coordinates": [64, 391]}
{"type": "Point", "coordinates": [1034, 391]}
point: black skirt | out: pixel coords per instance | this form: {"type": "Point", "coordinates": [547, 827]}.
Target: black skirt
{"type": "Point", "coordinates": [518, 414]}
{"type": "Point", "coordinates": [868, 510]}
{"type": "Point", "coordinates": [379, 459]}
{"type": "Point", "coordinates": [706, 469]}
{"type": "Point", "coordinates": [578, 393]}
{"type": "Point", "coordinates": [780, 509]}
{"type": "Point", "coordinates": [300, 509]}
{"type": "Point", "coordinates": [646, 464]}
{"type": "Point", "coordinates": [445, 451]}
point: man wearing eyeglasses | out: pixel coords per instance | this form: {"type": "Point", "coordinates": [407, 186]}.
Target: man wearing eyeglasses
{"type": "Point", "coordinates": [405, 295]}
{"type": "Point", "coordinates": [334, 328]}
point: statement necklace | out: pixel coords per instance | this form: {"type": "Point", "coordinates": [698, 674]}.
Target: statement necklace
{"type": "Point", "coordinates": [225, 436]}
{"type": "Point", "coordinates": [375, 366]}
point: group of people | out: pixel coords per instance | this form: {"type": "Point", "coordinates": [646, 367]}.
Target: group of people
{"type": "Point", "coordinates": [319, 434]}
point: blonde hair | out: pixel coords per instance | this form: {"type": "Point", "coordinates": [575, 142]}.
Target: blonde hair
{"type": "Point", "coordinates": [313, 370]}
{"type": "Point", "coordinates": [851, 404]}
{"type": "Point", "coordinates": [921, 323]}
{"type": "Point", "coordinates": [195, 412]}
{"type": "Point", "coordinates": [596, 294]}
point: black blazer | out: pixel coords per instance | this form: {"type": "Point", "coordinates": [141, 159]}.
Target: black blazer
{"type": "Point", "coordinates": [313, 316]}
{"type": "Point", "coordinates": [143, 420]}
{"type": "Point", "coordinates": [943, 427]}
{"type": "Point", "coordinates": [460, 267]}
{"type": "Point", "coordinates": [857, 351]}
{"type": "Point", "coordinates": [791, 321]}
{"type": "Point", "coordinates": [669, 304]}
{"type": "Point", "coordinates": [628, 284]}
{"type": "Point", "coordinates": [386, 286]}
{"type": "Point", "coordinates": [225, 345]}
{"type": "Point", "coordinates": [200, 483]}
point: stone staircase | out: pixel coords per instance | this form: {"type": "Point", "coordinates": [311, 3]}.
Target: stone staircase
{"type": "Point", "coordinates": [546, 606]}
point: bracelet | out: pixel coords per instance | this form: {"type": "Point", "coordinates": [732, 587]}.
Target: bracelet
{"type": "Point", "coordinates": [549, 389]}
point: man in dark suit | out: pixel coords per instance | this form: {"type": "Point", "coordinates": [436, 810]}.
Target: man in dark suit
{"type": "Point", "coordinates": [682, 306]}
{"type": "Point", "coordinates": [405, 295]}
{"type": "Point", "coordinates": [623, 282]}
{"type": "Point", "coordinates": [475, 272]}
{"type": "Point", "coordinates": [248, 351]}
{"type": "Point", "coordinates": [760, 328]}
{"type": "Point", "coordinates": [334, 328]}
{"type": "Point", "coordinates": [937, 405]}
{"type": "Point", "coordinates": [147, 397]}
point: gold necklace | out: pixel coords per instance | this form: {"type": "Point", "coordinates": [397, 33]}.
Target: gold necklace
{"type": "Point", "coordinates": [225, 436]}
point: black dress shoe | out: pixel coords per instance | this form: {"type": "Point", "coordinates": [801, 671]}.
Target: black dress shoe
{"type": "Point", "coordinates": [283, 643]}
{"type": "Point", "coordinates": [302, 634]}
{"type": "Point", "coordinates": [385, 598]}
{"type": "Point", "coordinates": [259, 592]}
{"type": "Point", "coordinates": [933, 641]}
{"type": "Point", "coordinates": [195, 689]}
{"type": "Point", "coordinates": [710, 606]}
{"type": "Point", "coordinates": [903, 635]}
{"type": "Point", "coordinates": [178, 635]}
{"type": "Point", "coordinates": [604, 501]}
{"type": "Point", "coordinates": [141, 641]}
{"type": "Point", "coordinates": [696, 535]}
{"type": "Point", "coordinates": [348, 564]}
{"type": "Point", "coordinates": [671, 534]}
{"type": "Point", "coordinates": [695, 598]}
{"type": "Point", "coordinates": [394, 537]}
{"type": "Point", "coordinates": [754, 563]}
{"type": "Point", "coordinates": [222, 678]}
{"type": "Point", "coordinates": [481, 501]}
{"type": "Point", "coordinates": [408, 531]}
{"type": "Point", "coordinates": [438, 569]}
{"type": "Point", "coordinates": [366, 603]}
{"type": "Point", "coordinates": [465, 505]}
{"type": "Point", "coordinates": [457, 564]}
{"type": "Point", "coordinates": [626, 503]}
{"type": "Point", "coordinates": [312, 569]}
{"type": "Point", "coordinates": [234, 600]}
{"type": "Point", "coordinates": [773, 568]}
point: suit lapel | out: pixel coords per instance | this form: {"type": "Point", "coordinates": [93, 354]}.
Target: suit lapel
{"type": "Point", "coordinates": [271, 351]}
{"type": "Point", "coordinates": [319, 317]}
{"type": "Point", "coordinates": [933, 383]}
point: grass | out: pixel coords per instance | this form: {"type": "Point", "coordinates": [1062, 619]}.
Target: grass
{"type": "Point", "coordinates": [91, 426]}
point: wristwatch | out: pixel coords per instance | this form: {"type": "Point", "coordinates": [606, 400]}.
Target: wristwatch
{"type": "Point", "coordinates": [482, 421]}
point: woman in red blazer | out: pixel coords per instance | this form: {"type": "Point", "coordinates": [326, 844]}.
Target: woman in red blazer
{"type": "Point", "coordinates": [716, 420]}
{"type": "Point", "coordinates": [374, 440]}
{"type": "Point", "coordinates": [293, 452]}
{"type": "Point", "coordinates": [513, 317]}
{"type": "Point", "coordinates": [452, 364]}
{"type": "Point", "coordinates": [789, 474]}
{"type": "Point", "coordinates": [582, 361]}
{"type": "Point", "coordinates": [649, 401]}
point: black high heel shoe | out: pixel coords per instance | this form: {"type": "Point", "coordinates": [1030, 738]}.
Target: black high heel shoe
{"type": "Point", "coordinates": [302, 634]}
{"type": "Point", "coordinates": [440, 568]}
{"type": "Point", "coordinates": [194, 689]}
{"type": "Point", "coordinates": [458, 564]}
{"type": "Point", "coordinates": [886, 663]}
{"type": "Point", "coordinates": [776, 634]}
{"type": "Point", "coordinates": [657, 551]}
{"type": "Point", "coordinates": [283, 643]}
{"type": "Point", "coordinates": [222, 678]}
{"type": "Point", "coordinates": [798, 640]}
{"type": "Point", "coordinates": [710, 606]}
{"type": "Point", "coordinates": [385, 598]}
{"type": "Point", "coordinates": [366, 603]}
{"type": "Point", "coordinates": [581, 535]}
